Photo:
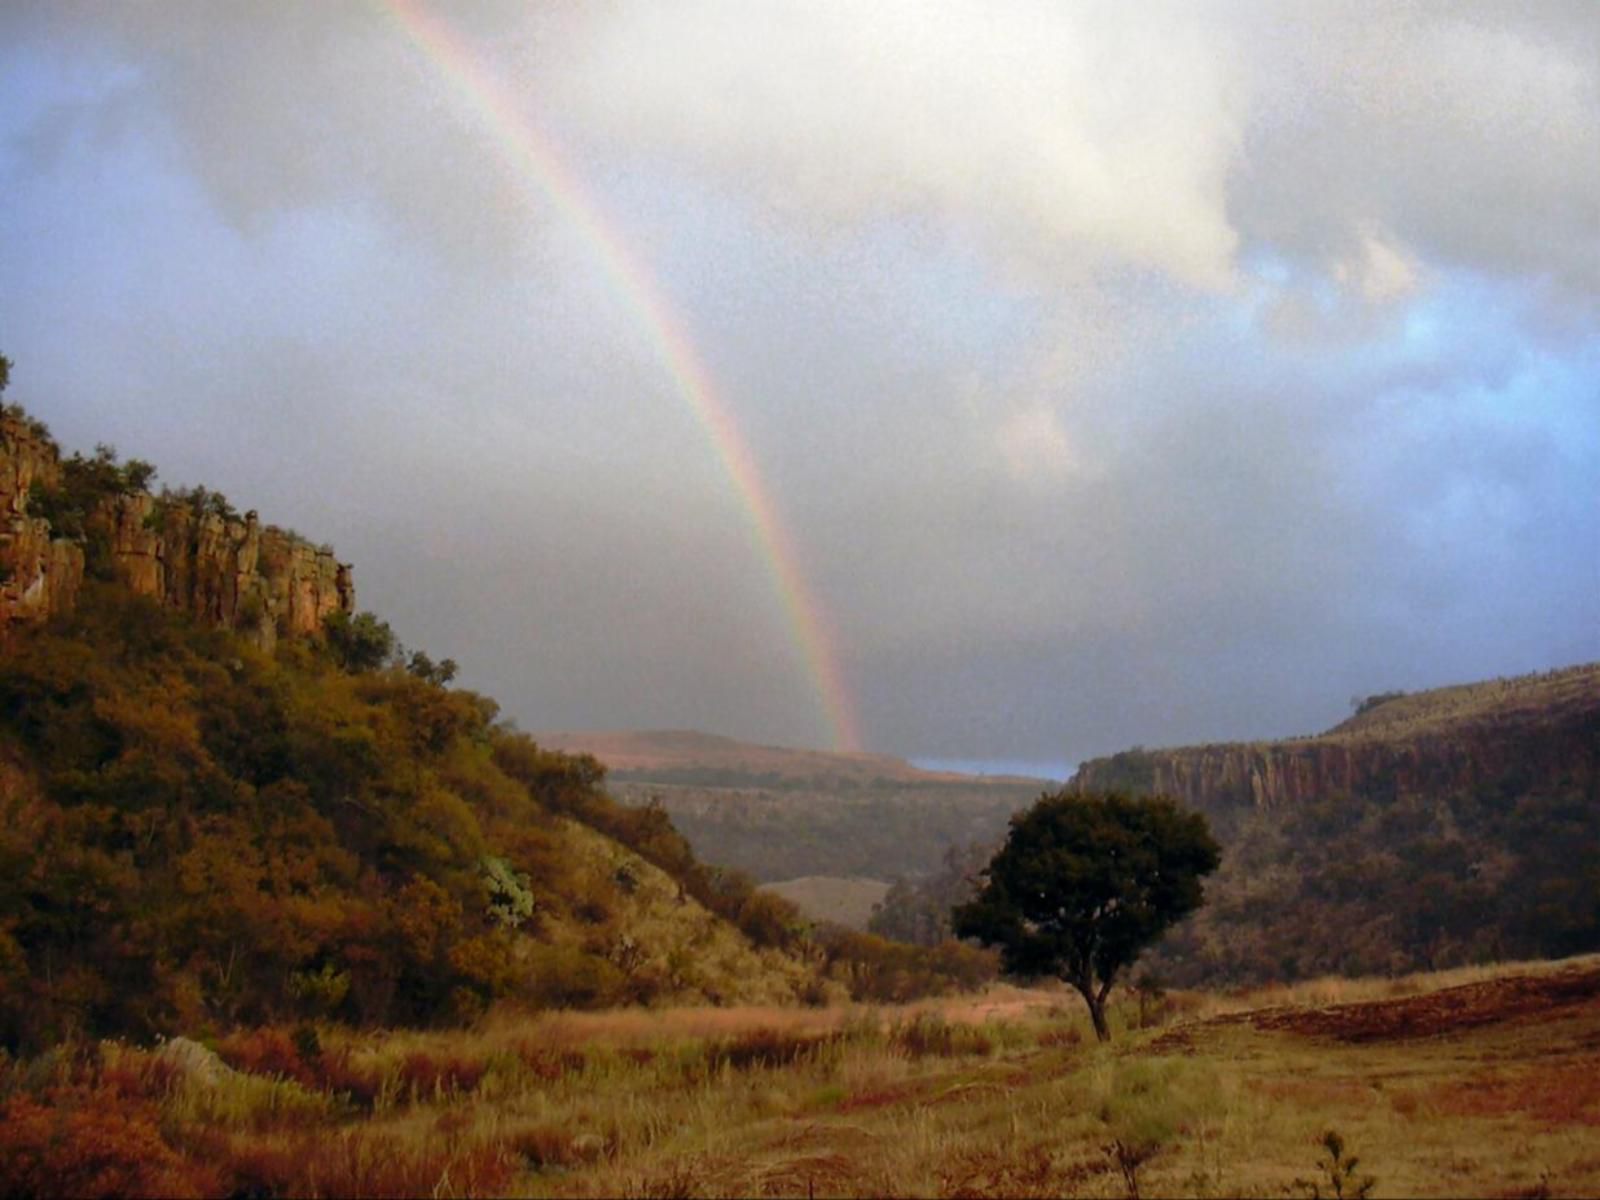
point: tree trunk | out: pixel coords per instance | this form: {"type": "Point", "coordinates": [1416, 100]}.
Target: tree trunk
{"type": "Point", "coordinates": [1097, 1009]}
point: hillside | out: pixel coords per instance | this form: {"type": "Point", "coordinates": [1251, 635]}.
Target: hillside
{"type": "Point", "coordinates": [1450, 826]}
{"type": "Point", "coordinates": [1502, 735]}
{"type": "Point", "coordinates": [226, 798]}
{"type": "Point", "coordinates": [782, 814]}
{"type": "Point", "coordinates": [847, 902]}
{"type": "Point", "coordinates": [1429, 830]}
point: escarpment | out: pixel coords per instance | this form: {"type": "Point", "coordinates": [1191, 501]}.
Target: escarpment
{"type": "Point", "coordinates": [39, 572]}
{"type": "Point", "coordinates": [223, 569]}
{"type": "Point", "coordinates": [1511, 734]}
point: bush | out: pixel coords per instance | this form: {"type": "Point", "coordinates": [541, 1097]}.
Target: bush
{"type": "Point", "coordinates": [358, 643]}
{"type": "Point", "coordinates": [81, 1141]}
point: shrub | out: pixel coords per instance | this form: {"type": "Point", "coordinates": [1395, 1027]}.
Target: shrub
{"type": "Point", "coordinates": [1339, 1169]}
{"type": "Point", "coordinates": [928, 1035]}
{"type": "Point", "coordinates": [765, 1047]}
{"type": "Point", "coordinates": [78, 1141]}
{"type": "Point", "coordinates": [359, 1163]}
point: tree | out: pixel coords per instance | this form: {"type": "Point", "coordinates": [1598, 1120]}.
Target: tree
{"type": "Point", "coordinates": [360, 643]}
{"type": "Point", "coordinates": [5, 373]}
{"type": "Point", "coordinates": [1084, 883]}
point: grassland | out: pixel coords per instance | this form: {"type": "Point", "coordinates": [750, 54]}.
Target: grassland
{"type": "Point", "coordinates": [1483, 1082]}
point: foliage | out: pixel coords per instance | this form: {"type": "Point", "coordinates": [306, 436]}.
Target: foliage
{"type": "Point", "coordinates": [86, 484]}
{"type": "Point", "coordinates": [1339, 1169]}
{"type": "Point", "coordinates": [876, 970]}
{"type": "Point", "coordinates": [5, 373]}
{"type": "Point", "coordinates": [918, 911]}
{"type": "Point", "coordinates": [197, 834]}
{"type": "Point", "coordinates": [358, 643]}
{"type": "Point", "coordinates": [1365, 704]}
{"type": "Point", "coordinates": [425, 669]}
{"type": "Point", "coordinates": [1374, 883]}
{"type": "Point", "coordinates": [1085, 883]}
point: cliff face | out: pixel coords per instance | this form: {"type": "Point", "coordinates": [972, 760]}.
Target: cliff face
{"type": "Point", "coordinates": [39, 573]}
{"type": "Point", "coordinates": [257, 579]}
{"type": "Point", "coordinates": [1507, 734]}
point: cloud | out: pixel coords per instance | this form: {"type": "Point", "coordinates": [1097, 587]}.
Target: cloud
{"type": "Point", "coordinates": [1119, 379]}
{"type": "Point", "coordinates": [1379, 272]}
{"type": "Point", "coordinates": [1067, 144]}
{"type": "Point", "coordinates": [1034, 446]}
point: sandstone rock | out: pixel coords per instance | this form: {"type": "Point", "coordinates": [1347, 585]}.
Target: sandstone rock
{"type": "Point", "coordinates": [260, 580]}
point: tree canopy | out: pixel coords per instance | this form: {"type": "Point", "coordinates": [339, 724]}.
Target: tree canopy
{"type": "Point", "coordinates": [1085, 882]}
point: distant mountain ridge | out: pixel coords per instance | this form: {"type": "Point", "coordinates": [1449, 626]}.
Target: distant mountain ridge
{"type": "Point", "coordinates": [779, 813]}
{"type": "Point", "coordinates": [668, 754]}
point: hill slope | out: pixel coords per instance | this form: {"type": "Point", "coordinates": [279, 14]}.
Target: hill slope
{"type": "Point", "coordinates": [1426, 831]}
{"type": "Point", "coordinates": [223, 799]}
{"type": "Point", "coordinates": [1501, 735]}
{"type": "Point", "coordinates": [1449, 826]}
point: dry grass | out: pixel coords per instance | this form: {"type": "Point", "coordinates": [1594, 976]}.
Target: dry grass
{"type": "Point", "coordinates": [1331, 990]}
{"type": "Point", "coordinates": [1000, 1095]}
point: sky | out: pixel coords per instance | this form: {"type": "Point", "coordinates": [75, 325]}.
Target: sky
{"type": "Point", "coordinates": [992, 382]}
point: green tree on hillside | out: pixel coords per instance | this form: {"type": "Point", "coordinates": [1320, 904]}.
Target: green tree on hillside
{"type": "Point", "coordinates": [1084, 883]}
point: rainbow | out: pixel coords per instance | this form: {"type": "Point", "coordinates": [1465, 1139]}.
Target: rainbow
{"type": "Point", "coordinates": [535, 160]}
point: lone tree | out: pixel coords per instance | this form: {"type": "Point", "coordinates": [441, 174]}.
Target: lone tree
{"type": "Point", "coordinates": [1084, 883]}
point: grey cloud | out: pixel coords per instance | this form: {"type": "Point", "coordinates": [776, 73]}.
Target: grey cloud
{"type": "Point", "coordinates": [1119, 380]}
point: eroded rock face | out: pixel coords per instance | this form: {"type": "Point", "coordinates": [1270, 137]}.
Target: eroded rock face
{"type": "Point", "coordinates": [39, 573]}
{"type": "Point", "coordinates": [260, 580]}
{"type": "Point", "coordinates": [1546, 734]}
{"type": "Point", "coordinates": [241, 574]}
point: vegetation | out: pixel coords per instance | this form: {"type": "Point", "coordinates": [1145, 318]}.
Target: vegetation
{"type": "Point", "coordinates": [197, 834]}
{"type": "Point", "coordinates": [1370, 884]}
{"type": "Point", "coordinates": [1085, 883]}
{"type": "Point", "coordinates": [86, 483]}
{"type": "Point", "coordinates": [918, 911]}
{"type": "Point", "coordinates": [1000, 1095]}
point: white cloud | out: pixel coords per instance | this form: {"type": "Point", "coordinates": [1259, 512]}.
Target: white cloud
{"type": "Point", "coordinates": [1066, 141]}
{"type": "Point", "coordinates": [1379, 271]}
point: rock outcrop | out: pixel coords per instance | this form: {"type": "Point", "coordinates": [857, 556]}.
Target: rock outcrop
{"type": "Point", "coordinates": [39, 573]}
{"type": "Point", "coordinates": [260, 580]}
{"type": "Point", "coordinates": [1533, 731]}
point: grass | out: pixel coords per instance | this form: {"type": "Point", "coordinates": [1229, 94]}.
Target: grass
{"type": "Point", "coordinates": [1003, 1094]}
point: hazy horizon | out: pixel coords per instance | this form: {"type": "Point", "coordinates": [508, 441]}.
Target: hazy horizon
{"type": "Point", "coordinates": [1002, 383]}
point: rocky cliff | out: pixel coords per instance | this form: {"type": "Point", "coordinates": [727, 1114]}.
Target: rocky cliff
{"type": "Point", "coordinates": [1516, 733]}
{"type": "Point", "coordinates": [39, 573]}
{"type": "Point", "coordinates": [261, 580]}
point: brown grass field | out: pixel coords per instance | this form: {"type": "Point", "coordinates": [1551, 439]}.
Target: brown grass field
{"type": "Point", "coordinates": [1483, 1082]}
